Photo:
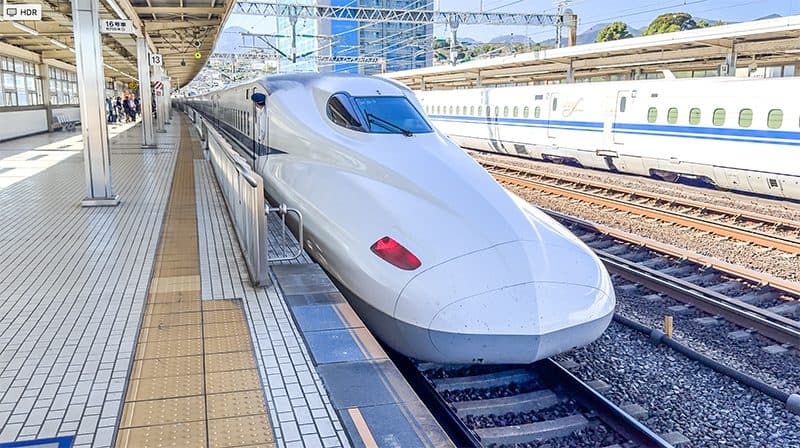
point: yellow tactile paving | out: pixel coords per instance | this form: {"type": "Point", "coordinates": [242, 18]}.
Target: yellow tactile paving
{"type": "Point", "coordinates": [194, 381]}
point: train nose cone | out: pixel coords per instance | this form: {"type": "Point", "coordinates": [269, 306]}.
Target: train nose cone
{"type": "Point", "coordinates": [513, 303]}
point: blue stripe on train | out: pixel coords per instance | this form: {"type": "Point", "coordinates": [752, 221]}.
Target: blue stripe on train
{"type": "Point", "coordinates": [704, 133]}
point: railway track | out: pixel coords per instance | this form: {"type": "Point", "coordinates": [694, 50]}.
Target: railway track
{"type": "Point", "coordinates": [749, 299]}
{"type": "Point", "coordinates": [541, 403]}
{"type": "Point", "coordinates": [766, 231]}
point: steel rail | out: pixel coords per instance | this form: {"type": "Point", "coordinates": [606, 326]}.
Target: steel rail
{"type": "Point", "coordinates": [766, 322]}
{"type": "Point", "coordinates": [720, 228]}
{"type": "Point", "coordinates": [608, 412]}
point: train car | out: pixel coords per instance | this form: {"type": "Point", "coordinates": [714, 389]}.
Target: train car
{"type": "Point", "coordinates": [440, 261]}
{"type": "Point", "coordinates": [733, 133]}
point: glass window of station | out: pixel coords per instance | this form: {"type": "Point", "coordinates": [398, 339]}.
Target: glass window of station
{"type": "Point", "coordinates": [21, 82]}
{"type": "Point", "coordinates": [63, 86]}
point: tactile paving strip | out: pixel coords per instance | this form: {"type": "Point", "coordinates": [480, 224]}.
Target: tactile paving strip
{"type": "Point", "coordinates": [194, 381]}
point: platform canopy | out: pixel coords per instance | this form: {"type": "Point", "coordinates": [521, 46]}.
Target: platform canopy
{"type": "Point", "coordinates": [762, 42]}
{"type": "Point", "coordinates": [184, 32]}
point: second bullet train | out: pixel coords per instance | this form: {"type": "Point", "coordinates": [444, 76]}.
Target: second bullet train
{"type": "Point", "coordinates": [734, 133]}
{"type": "Point", "coordinates": [440, 261]}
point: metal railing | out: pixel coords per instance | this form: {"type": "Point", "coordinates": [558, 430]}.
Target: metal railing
{"type": "Point", "coordinates": [243, 190]}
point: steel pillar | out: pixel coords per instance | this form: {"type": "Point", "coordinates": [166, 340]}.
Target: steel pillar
{"type": "Point", "coordinates": [168, 97]}
{"type": "Point", "coordinates": [145, 94]}
{"type": "Point", "coordinates": [91, 90]}
{"type": "Point", "coordinates": [730, 61]}
{"type": "Point", "coordinates": [570, 72]}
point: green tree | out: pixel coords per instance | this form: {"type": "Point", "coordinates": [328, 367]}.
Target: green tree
{"type": "Point", "coordinates": [614, 31]}
{"type": "Point", "coordinates": [669, 23]}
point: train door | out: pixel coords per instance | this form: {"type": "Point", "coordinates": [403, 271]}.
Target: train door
{"type": "Point", "coordinates": [620, 112]}
{"type": "Point", "coordinates": [260, 123]}
{"type": "Point", "coordinates": [553, 117]}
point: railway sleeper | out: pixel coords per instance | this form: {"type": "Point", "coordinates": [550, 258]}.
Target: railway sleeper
{"type": "Point", "coordinates": [489, 380]}
{"type": "Point", "coordinates": [538, 431]}
{"type": "Point", "coordinates": [526, 402]}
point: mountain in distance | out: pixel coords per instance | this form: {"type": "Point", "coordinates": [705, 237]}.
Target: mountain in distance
{"type": "Point", "coordinates": [230, 41]}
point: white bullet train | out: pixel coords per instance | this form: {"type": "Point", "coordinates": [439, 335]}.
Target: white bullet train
{"type": "Point", "coordinates": [734, 133]}
{"type": "Point", "coordinates": [440, 261]}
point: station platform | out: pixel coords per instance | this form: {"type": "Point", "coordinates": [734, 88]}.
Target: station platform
{"type": "Point", "coordinates": [137, 325]}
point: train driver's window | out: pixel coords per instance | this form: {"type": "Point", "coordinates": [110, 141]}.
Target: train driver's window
{"type": "Point", "coordinates": [340, 111]}
{"type": "Point", "coordinates": [652, 115]}
{"type": "Point", "coordinates": [526, 111]}
{"type": "Point", "coordinates": [719, 117]}
{"type": "Point", "coordinates": [516, 111]}
{"type": "Point", "coordinates": [672, 115]}
{"type": "Point", "coordinates": [745, 118]}
{"type": "Point", "coordinates": [775, 119]}
{"type": "Point", "coordinates": [694, 116]}
{"type": "Point", "coordinates": [537, 112]}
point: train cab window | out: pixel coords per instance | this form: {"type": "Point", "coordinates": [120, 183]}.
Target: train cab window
{"type": "Point", "coordinates": [341, 111]}
{"type": "Point", "coordinates": [672, 115]}
{"type": "Point", "coordinates": [515, 114]}
{"type": "Point", "coordinates": [775, 119]}
{"type": "Point", "coordinates": [719, 117]}
{"type": "Point", "coordinates": [505, 111]}
{"type": "Point", "coordinates": [652, 115]}
{"type": "Point", "coordinates": [391, 115]}
{"type": "Point", "coordinates": [694, 116]}
{"type": "Point", "coordinates": [746, 118]}
{"type": "Point", "coordinates": [537, 112]}
{"type": "Point", "coordinates": [526, 111]}
{"type": "Point", "coordinates": [623, 103]}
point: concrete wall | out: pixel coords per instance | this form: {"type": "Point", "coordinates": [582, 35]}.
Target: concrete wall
{"type": "Point", "coordinates": [22, 122]}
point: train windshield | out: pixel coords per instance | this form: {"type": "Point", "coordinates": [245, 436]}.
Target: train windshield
{"type": "Point", "coordinates": [391, 115]}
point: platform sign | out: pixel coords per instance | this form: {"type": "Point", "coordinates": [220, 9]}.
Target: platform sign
{"type": "Point", "coordinates": [116, 26]}
{"type": "Point", "coordinates": [132, 85]}
{"type": "Point", "coordinates": [22, 12]}
{"type": "Point", "coordinates": [156, 59]}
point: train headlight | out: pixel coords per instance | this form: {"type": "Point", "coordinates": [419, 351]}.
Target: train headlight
{"type": "Point", "coordinates": [394, 252]}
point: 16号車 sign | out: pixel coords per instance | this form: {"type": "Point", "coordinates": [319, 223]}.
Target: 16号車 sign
{"type": "Point", "coordinates": [115, 26]}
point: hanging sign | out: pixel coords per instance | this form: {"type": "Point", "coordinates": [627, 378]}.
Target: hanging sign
{"type": "Point", "coordinates": [158, 87]}
{"type": "Point", "coordinates": [132, 85]}
{"type": "Point", "coordinates": [116, 26]}
{"type": "Point", "coordinates": [156, 59]}
{"type": "Point", "coordinates": [26, 11]}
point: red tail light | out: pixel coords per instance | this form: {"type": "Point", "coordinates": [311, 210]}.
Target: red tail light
{"type": "Point", "coordinates": [394, 252]}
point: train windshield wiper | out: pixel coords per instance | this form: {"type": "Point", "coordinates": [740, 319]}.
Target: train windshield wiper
{"type": "Point", "coordinates": [384, 122]}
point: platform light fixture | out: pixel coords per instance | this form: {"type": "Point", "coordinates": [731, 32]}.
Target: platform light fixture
{"type": "Point", "coordinates": [25, 28]}
{"type": "Point", "coordinates": [117, 10]}
{"type": "Point", "coordinates": [59, 44]}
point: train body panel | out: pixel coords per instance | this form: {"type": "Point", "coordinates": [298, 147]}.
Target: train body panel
{"type": "Point", "coordinates": [699, 128]}
{"type": "Point", "coordinates": [493, 268]}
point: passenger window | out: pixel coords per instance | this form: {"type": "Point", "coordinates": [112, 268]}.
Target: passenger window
{"type": "Point", "coordinates": [746, 118]}
{"type": "Point", "coordinates": [672, 115]}
{"type": "Point", "coordinates": [537, 112]}
{"type": "Point", "coordinates": [458, 110]}
{"type": "Point", "coordinates": [555, 104]}
{"type": "Point", "coordinates": [623, 102]}
{"type": "Point", "coordinates": [451, 110]}
{"type": "Point", "coordinates": [340, 111]}
{"type": "Point", "coordinates": [516, 111]}
{"type": "Point", "coordinates": [652, 115]}
{"type": "Point", "coordinates": [505, 111]}
{"type": "Point", "coordinates": [464, 110]}
{"type": "Point", "coordinates": [694, 116]}
{"type": "Point", "coordinates": [526, 111]}
{"type": "Point", "coordinates": [496, 111]}
{"type": "Point", "coordinates": [775, 119]}
{"type": "Point", "coordinates": [719, 117]}
{"type": "Point", "coordinates": [472, 110]}
{"type": "Point", "coordinates": [480, 110]}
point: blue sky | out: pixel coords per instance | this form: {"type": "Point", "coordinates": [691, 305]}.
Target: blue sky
{"type": "Point", "coordinates": [590, 12]}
